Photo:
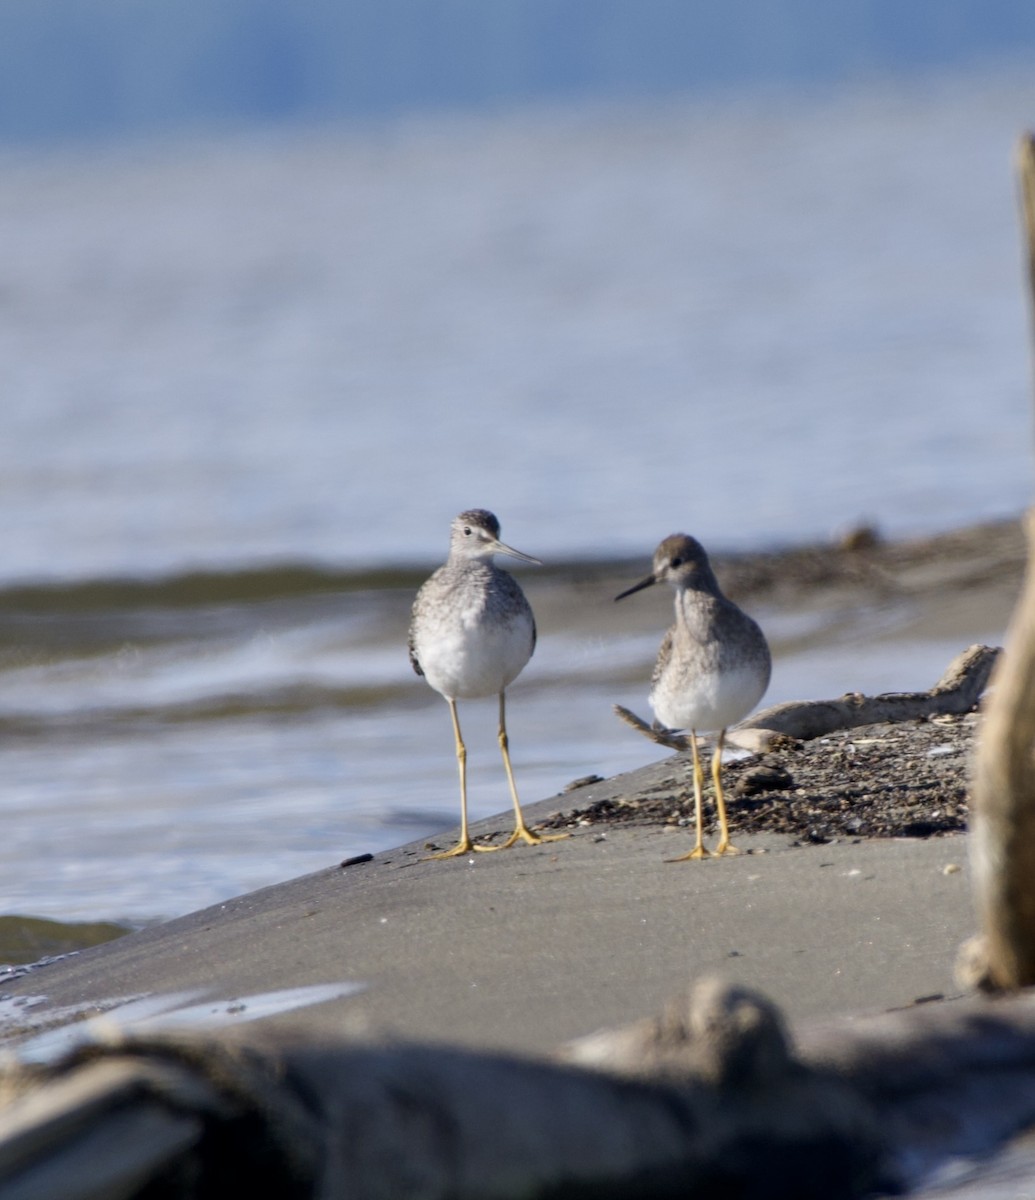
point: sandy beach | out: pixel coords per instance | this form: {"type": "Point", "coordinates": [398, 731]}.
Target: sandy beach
{"type": "Point", "coordinates": [524, 949]}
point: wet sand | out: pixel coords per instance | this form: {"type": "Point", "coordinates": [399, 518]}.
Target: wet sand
{"type": "Point", "coordinates": [529, 947]}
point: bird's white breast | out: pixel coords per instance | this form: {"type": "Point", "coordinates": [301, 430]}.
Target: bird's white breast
{"type": "Point", "coordinates": [467, 654]}
{"type": "Point", "coordinates": [707, 700]}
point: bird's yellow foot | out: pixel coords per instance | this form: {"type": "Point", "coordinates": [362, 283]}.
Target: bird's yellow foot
{"type": "Point", "coordinates": [460, 849]}
{"type": "Point", "coordinates": [726, 848]}
{"type": "Point", "coordinates": [697, 852]}
{"type": "Point", "coordinates": [524, 834]}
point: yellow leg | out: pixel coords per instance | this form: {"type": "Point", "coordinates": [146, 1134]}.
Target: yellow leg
{"type": "Point", "coordinates": [698, 851]}
{"type": "Point", "coordinates": [521, 830]}
{"type": "Point", "coordinates": [724, 846]}
{"type": "Point", "coordinates": [464, 845]}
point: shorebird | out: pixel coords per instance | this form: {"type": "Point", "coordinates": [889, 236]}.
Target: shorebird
{"type": "Point", "coordinates": [713, 666]}
{"type": "Point", "coordinates": [471, 634]}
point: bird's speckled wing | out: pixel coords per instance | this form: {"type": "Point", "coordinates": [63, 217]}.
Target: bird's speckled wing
{"type": "Point", "coordinates": [411, 640]}
{"type": "Point", "coordinates": [414, 660]}
{"type": "Point", "coordinates": [664, 654]}
{"type": "Point", "coordinates": [510, 591]}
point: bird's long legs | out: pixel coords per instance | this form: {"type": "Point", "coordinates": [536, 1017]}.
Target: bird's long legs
{"type": "Point", "coordinates": [698, 851]}
{"type": "Point", "coordinates": [724, 846]}
{"type": "Point", "coordinates": [521, 830]}
{"type": "Point", "coordinates": [465, 845]}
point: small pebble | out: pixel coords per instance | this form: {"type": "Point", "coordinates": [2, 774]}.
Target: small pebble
{"type": "Point", "coordinates": [951, 869]}
{"type": "Point", "coordinates": [583, 781]}
{"type": "Point", "coordinates": [764, 778]}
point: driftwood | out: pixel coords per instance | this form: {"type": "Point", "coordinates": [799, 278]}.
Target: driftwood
{"type": "Point", "coordinates": [1003, 808]}
{"type": "Point", "coordinates": [711, 1099]}
{"type": "Point", "coordinates": [1003, 820]}
{"type": "Point", "coordinates": [415, 1122]}
{"type": "Point", "coordinates": [939, 1082]}
{"type": "Point", "coordinates": [958, 691]}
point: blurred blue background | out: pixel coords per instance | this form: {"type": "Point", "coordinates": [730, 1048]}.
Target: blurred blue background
{"type": "Point", "coordinates": [74, 67]}
{"type": "Point", "coordinates": [288, 283]}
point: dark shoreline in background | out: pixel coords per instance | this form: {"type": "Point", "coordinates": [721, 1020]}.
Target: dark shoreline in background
{"type": "Point", "coordinates": [781, 570]}
{"type": "Point", "coordinates": [959, 584]}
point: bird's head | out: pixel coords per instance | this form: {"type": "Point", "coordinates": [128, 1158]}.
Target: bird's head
{"type": "Point", "coordinates": [680, 560]}
{"type": "Point", "coordinates": [475, 535]}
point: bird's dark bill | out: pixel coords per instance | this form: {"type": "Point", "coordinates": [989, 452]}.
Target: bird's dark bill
{"type": "Point", "coordinates": [637, 587]}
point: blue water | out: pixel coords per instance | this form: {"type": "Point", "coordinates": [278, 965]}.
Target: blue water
{"type": "Point", "coordinates": [759, 318]}
{"type": "Point", "coordinates": [765, 320]}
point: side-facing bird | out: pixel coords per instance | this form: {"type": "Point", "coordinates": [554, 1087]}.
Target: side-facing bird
{"type": "Point", "coordinates": [471, 634]}
{"type": "Point", "coordinates": [713, 666]}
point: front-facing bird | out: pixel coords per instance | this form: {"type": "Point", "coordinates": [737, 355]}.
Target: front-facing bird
{"type": "Point", "coordinates": [713, 665]}
{"type": "Point", "coordinates": [471, 634]}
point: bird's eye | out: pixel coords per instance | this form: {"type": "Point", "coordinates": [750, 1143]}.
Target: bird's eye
{"type": "Point", "coordinates": [467, 531]}
{"type": "Point", "coordinates": [676, 562]}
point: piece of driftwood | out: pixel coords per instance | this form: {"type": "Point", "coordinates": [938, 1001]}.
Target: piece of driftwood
{"type": "Point", "coordinates": [958, 691]}
{"type": "Point", "coordinates": [1003, 810]}
{"type": "Point", "coordinates": [1003, 785]}
{"type": "Point", "coordinates": [711, 1099]}
{"type": "Point", "coordinates": [941, 1081]}
{"type": "Point", "coordinates": [414, 1122]}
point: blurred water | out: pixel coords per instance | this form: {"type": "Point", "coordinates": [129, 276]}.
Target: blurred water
{"type": "Point", "coordinates": [758, 319]}
{"type": "Point", "coordinates": [763, 319]}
